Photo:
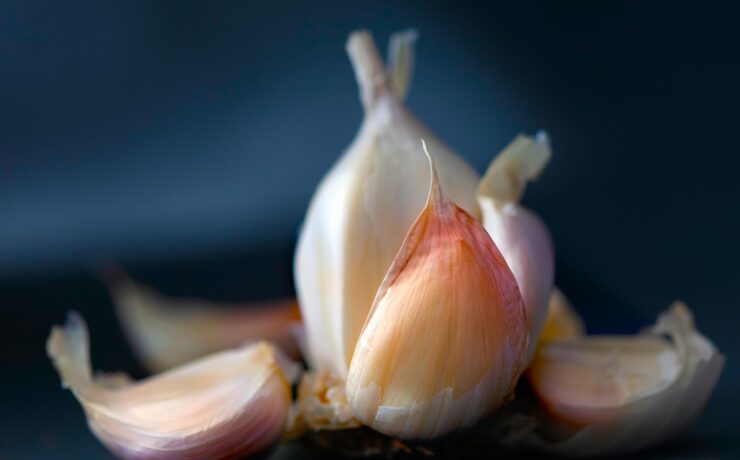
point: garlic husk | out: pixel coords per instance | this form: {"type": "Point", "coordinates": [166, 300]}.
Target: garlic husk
{"type": "Point", "coordinates": [168, 332]}
{"type": "Point", "coordinates": [321, 404]}
{"type": "Point", "coordinates": [562, 321]}
{"type": "Point", "coordinates": [364, 206]}
{"type": "Point", "coordinates": [520, 235]}
{"type": "Point", "coordinates": [619, 394]}
{"type": "Point", "coordinates": [445, 340]}
{"type": "Point", "coordinates": [229, 405]}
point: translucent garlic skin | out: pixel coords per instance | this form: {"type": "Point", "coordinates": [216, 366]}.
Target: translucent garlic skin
{"type": "Point", "coordinates": [230, 405]}
{"type": "Point", "coordinates": [364, 206]}
{"type": "Point", "coordinates": [520, 235]}
{"type": "Point", "coordinates": [168, 332]}
{"type": "Point", "coordinates": [616, 395]}
{"type": "Point", "coordinates": [562, 320]}
{"type": "Point", "coordinates": [446, 337]}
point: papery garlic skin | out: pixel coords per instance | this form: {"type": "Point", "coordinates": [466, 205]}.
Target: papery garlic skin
{"type": "Point", "coordinates": [167, 332]}
{"type": "Point", "coordinates": [321, 404]}
{"type": "Point", "coordinates": [446, 337]}
{"type": "Point", "coordinates": [616, 395]}
{"type": "Point", "coordinates": [562, 321]}
{"type": "Point", "coordinates": [365, 205]}
{"type": "Point", "coordinates": [230, 405]}
{"type": "Point", "coordinates": [520, 235]}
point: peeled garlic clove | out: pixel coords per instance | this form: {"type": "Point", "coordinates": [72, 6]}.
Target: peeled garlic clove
{"type": "Point", "coordinates": [615, 395]}
{"type": "Point", "coordinates": [166, 333]}
{"type": "Point", "coordinates": [229, 405]}
{"type": "Point", "coordinates": [446, 337]}
{"type": "Point", "coordinates": [519, 234]}
{"type": "Point", "coordinates": [562, 320]}
{"type": "Point", "coordinates": [363, 208]}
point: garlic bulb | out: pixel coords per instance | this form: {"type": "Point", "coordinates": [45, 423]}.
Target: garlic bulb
{"type": "Point", "coordinates": [229, 405]}
{"type": "Point", "coordinates": [615, 395]}
{"type": "Point", "coordinates": [166, 333]}
{"type": "Point", "coordinates": [363, 208]}
{"type": "Point", "coordinates": [445, 340]}
{"type": "Point", "coordinates": [519, 234]}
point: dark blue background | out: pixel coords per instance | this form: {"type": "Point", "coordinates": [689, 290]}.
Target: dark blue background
{"type": "Point", "coordinates": [184, 140]}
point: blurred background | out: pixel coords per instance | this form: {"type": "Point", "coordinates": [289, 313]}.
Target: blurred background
{"type": "Point", "coordinates": [184, 140]}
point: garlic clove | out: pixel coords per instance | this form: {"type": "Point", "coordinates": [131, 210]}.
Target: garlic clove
{"type": "Point", "coordinates": [166, 332]}
{"type": "Point", "coordinates": [519, 234]}
{"type": "Point", "coordinates": [229, 405]}
{"type": "Point", "coordinates": [364, 206]}
{"type": "Point", "coordinates": [445, 340]}
{"type": "Point", "coordinates": [615, 395]}
{"type": "Point", "coordinates": [562, 320]}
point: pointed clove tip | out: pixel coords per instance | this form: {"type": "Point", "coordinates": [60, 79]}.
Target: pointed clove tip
{"type": "Point", "coordinates": [435, 190]}
{"type": "Point", "coordinates": [363, 51]}
{"type": "Point", "coordinates": [357, 36]}
{"type": "Point", "coordinates": [425, 149]}
{"type": "Point", "coordinates": [436, 195]}
{"type": "Point", "coordinates": [401, 60]}
{"type": "Point", "coordinates": [370, 71]}
{"type": "Point", "coordinates": [521, 162]}
{"type": "Point", "coordinates": [432, 167]}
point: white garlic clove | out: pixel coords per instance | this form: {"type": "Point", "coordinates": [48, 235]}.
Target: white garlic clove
{"type": "Point", "coordinates": [229, 405]}
{"type": "Point", "coordinates": [615, 395]}
{"type": "Point", "coordinates": [562, 320]}
{"type": "Point", "coordinates": [444, 343]}
{"type": "Point", "coordinates": [363, 208]}
{"type": "Point", "coordinates": [519, 234]}
{"type": "Point", "coordinates": [166, 332]}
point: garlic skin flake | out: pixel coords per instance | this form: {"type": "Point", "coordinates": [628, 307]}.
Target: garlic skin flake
{"type": "Point", "coordinates": [229, 405]}
{"type": "Point", "coordinates": [363, 208]}
{"type": "Point", "coordinates": [562, 321]}
{"type": "Point", "coordinates": [321, 404]}
{"type": "Point", "coordinates": [445, 340]}
{"type": "Point", "coordinates": [166, 332]}
{"type": "Point", "coordinates": [519, 234]}
{"type": "Point", "coordinates": [616, 395]}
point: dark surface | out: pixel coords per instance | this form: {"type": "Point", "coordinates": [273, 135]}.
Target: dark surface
{"type": "Point", "coordinates": [184, 140]}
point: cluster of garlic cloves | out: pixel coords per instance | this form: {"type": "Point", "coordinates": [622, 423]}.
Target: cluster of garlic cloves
{"type": "Point", "coordinates": [425, 303]}
{"type": "Point", "coordinates": [445, 339]}
{"type": "Point", "coordinates": [364, 207]}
